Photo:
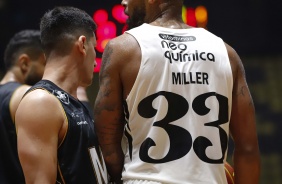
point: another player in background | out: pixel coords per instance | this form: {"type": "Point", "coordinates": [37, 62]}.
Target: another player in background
{"type": "Point", "coordinates": [174, 92]}
{"type": "Point", "coordinates": [24, 62]}
{"type": "Point", "coordinates": [83, 97]}
{"type": "Point", "coordinates": [56, 139]}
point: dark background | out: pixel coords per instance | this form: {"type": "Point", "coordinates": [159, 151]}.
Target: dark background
{"type": "Point", "coordinates": [252, 27]}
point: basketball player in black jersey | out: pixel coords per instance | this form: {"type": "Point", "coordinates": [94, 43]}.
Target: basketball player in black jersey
{"type": "Point", "coordinates": [24, 62]}
{"type": "Point", "coordinates": [56, 138]}
{"type": "Point", "coordinates": [121, 67]}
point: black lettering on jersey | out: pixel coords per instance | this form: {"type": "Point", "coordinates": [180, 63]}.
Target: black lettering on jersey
{"type": "Point", "coordinates": [178, 52]}
{"type": "Point", "coordinates": [180, 139]}
{"type": "Point", "coordinates": [179, 78]}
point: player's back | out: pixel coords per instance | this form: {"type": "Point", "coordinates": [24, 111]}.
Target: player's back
{"type": "Point", "coordinates": [10, 168]}
{"type": "Point", "coordinates": [179, 107]}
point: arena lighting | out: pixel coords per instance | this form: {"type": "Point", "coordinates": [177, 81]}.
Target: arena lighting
{"type": "Point", "coordinates": [201, 16]}
{"type": "Point", "coordinates": [110, 23]}
{"type": "Point", "coordinates": [106, 30]}
{"type": "Point", "coordinates": [184, 14]}
{"type": "Point", "coordinates": [101, 44]}
{"type": "Point", "coordinates": [118, 14]}
{"type": "Point", "coordinates": [197, 17]}
{"type": "Point", "coordinates": [191, 18]}
{"type": "Point", "coordinates": [100, 16]}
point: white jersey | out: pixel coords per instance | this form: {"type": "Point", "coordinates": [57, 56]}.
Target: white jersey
{"type": "Point", "coordinates": [179, 108]}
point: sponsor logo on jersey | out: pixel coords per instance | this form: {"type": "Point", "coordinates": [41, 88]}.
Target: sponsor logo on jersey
{"type": "Point", "coordinates": [62, 96]}
{"type": "Point", "coordinates": [82, 123]}
{"type": "Point", "coordinates": [177, 38]}
{"type": "Point", "coordinates": [178, 52]}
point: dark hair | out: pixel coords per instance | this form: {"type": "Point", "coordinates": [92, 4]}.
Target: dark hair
{"type": "Point", "coordinates": [25, 41]}
{"type": "Point", "coordinates": [61, 26]}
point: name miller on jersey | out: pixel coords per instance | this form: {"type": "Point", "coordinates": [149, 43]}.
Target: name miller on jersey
{"type": "Point", "coordinates": [190, 78]}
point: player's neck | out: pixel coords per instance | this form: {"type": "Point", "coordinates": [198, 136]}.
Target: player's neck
{"type": "Point", "coordinates": [10, 76]}
{"type": "Point", "coordinates": [63, 73]}
{"type": "Point", "coordinates": [169, 18]}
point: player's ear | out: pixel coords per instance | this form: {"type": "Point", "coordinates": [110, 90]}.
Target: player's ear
{"type": "Point", "coordinates": [24, 62]}
{"type": "Point", "coordinates": [82, 44]}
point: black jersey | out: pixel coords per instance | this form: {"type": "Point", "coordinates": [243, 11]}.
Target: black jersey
{"type": "Point", "coordinates": [10, 168]}
{"type": "Point", "coordinates": [79, 157]}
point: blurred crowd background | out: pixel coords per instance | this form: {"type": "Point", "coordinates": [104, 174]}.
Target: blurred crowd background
{"type": "Point", "coordinates": [252, 27]}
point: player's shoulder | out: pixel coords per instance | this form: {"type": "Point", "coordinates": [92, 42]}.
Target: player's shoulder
{"type": "Point", "coordinates": [16, 97]}
{"type": "Point", "coordinates": [125, 42]}
{"type": "Point", "coordinates": [39, 110]}
{"type": "Point", "coordinates": [206, 33]}
{"type": "Point", "coordinates": [230, 50]}
{"type": "Point", "coordinates": [121, 50]}
{"type": "Point", "coordinates": [232, 54]}
{"type": "Point", "coordinates": [235, 60]}
{"type": "Point", "coordinates": [41, 98]}
{"type": "Point", "coordinates": [21, 90]}
{"type": "Point", "coordinates": [39, 104]}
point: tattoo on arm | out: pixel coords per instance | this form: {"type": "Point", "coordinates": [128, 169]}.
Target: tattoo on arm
{"type": "Point", "coordinates": [106, 58]}
{"type": "Point", "coordinates": [244, 92]}
{"type": "Point", "coordinates": [104, 73]}
{"type": "Point", "coordinates": [105, 81]}
{"type": "Point", "coordinates": [99, 106]}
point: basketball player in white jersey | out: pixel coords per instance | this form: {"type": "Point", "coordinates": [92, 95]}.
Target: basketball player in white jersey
{"type": "Point", "coordinates": [172, 95]}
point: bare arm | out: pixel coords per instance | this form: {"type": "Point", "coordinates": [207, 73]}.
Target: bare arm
{"type": "Point", "coordinates": [108, 112]}
{"type": "Point", "coordinates": [246, 155]}
{"type": "Point", "coordinates": [39, 119]}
